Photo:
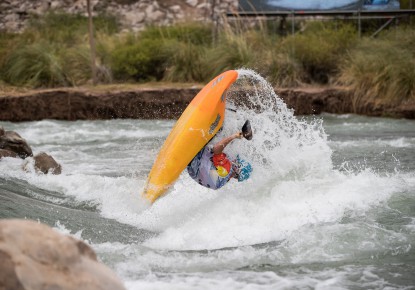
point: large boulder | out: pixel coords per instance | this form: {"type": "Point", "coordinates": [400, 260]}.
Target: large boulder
{"type": "Point", "coordinates": [11, 141]}
{"type": "Point", "coordinates": [34, 256]}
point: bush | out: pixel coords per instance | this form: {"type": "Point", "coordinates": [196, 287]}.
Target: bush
{"type": "Point", "coordinates": [35, 65]}
{"type": "Point", "coordinates": [186, 63]}
{"type": "Point", "coordinates": [194, 33]}
{"type": "Point", "coordinates": [144, 59]}
{"type": "Point", "coordinates": [172, 53]}
{"type": "Point", "coordinates": [52, 51]}
{"type": "Point", "coordinates": [77, 65]}
{"type": "Point", "coordinates": [68, 29]}
{"type": "Point", "coordinates": [232, 51]}
{"type": "Point", "coordinates": [319, 49]}
{"type": "Point", "coordinates": [6, 43]}
{"type": "Point", "coordinates": [380, 71]}
{"type": "Point", "coordinates": [284, 71]}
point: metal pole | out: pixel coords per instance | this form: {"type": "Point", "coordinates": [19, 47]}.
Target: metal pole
{"type": "Point", "coordinates": [359, 21]}
{"type": "Point", "coordinates": [383, 26]}
{"type": "Point", "coordinates": [293, 23]}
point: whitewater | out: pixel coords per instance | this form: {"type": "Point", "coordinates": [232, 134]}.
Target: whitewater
{"type": "Point", "coordinates": [330, 204]}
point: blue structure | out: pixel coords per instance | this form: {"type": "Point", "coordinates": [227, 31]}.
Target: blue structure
{"type": "Point", "coordinates": [316, 5]}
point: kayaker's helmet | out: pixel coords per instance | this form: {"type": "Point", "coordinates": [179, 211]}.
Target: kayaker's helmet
{"type": "Point", "coordinates": [244, 169]}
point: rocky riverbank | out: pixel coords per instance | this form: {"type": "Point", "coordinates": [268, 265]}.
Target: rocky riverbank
{"type": "Point", "coordinates": [169, 103]}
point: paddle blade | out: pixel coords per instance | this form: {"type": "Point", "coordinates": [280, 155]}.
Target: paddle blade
{"type": "Point", "coordinates": [246, 130]}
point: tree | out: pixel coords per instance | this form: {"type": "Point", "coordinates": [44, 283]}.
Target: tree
{"type": "Point", "coordinates": [92, 43]}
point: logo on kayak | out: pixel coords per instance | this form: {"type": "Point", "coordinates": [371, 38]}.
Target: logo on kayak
{"type": "Point", "coordinates": [217, 81]}
{"type": "Point", "coordinates": [214, 124]}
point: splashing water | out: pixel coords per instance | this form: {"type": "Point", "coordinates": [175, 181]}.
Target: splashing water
{"type": "Point", "coordinates": [311, 216]}
{"type": "Point", "coordinates": [283, 145]}
{"type": "Point", "coordinates": [293, 183]}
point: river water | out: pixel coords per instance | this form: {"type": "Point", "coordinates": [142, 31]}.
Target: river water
{"type": "Point", "coordinates": [330, 204]}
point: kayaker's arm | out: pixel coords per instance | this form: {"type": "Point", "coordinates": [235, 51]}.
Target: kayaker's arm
{"type": "Point", "coordinates": [218, 148]}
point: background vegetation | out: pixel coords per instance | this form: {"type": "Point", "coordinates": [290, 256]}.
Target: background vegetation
{"type": "Point", "coordinates": [53, 51]}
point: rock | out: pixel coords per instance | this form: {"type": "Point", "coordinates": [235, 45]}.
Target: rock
{"type": "Point", "coordinates": [192, 3]}
{"type": "Point", "coordinates": [46, 164]}
{"type": "Point", "coordinates": [11, 141]}
{"type": "Point", "coordinates": [134, 17]}
{"type": "Point", "coordinates": [176, 9]}
{"type": "Point", "coordinates": [156, 16]}
{"type": "Point", "coordinates": [55, 5]}
{"type": "Point", "coordinates": [34, 256]}
{"type": "Point", "coordinates": [7, 153]}
{"type": "Point", "coordinates": [12, 17]}
{"type": "Point", "coordinates": [43, 7]}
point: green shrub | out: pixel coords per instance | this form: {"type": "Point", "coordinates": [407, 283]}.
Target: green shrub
{"type": "Point", "coordinates": [76, 65]}
{"type": "Point", "coordinates": [186, 63]}
{"type": "Point", "coordinates": [406, 4]}
{"type": "Point", "coordinates": [52, 51]}
{"type": "Point", "coordinates": [284, 71]}
{"type": "Point", "coordinates": [232, 51]}
{"type": "Point", "coordinates": [6, 45]}
{"type": "Point", "coordinates": [35, 65]}
{"type": "Point", "coordinates": [194, 33]}
{"type": "Point", "coordinates": [319, 49]}
{"type": "Point", "coordinates": [144, 59]}
{"type": "Point", "coordinates": [161, 52]}
{"type": "Point", "coordinates": [379, 71]}
{"type": "Point", "coordinates": [402, 37]}
{"type": "Point", "coordinates": [68, 29]}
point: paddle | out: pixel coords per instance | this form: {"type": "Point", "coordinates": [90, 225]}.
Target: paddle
{"type": "Point", "coordinates": [246, 130]}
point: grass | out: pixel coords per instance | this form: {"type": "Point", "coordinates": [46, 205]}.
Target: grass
{"type": "Point", "coordinates": [319, 49]}
{"type": "Point", "coordinates": [53, 51]}
{"type": "Point", "coordinates": [380, 71]}
{"type": "Point", "coordinates": [34, 65]}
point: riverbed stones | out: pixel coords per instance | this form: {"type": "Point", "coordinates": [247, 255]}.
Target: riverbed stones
{"type": "Point", "coordinates": [45, 163]}
{"type": "Point", "coordinates": [36, 257]}
{"type": "Point", "coordinates": [42, 163]}
{"type": "Point", "coordinates": [13, 145]}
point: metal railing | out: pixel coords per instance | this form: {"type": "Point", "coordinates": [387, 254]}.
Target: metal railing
{"type": "Point", "coordinates": [331, 14]}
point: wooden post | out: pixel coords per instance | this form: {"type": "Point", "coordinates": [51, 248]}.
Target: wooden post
{"type": "Point", "coordinates": [92, 43]}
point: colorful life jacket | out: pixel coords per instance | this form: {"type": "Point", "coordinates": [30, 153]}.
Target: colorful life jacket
{"type": "Point", "coordinates": [222, 164]}
{"type": "Point", "coordinates": [210, 170]}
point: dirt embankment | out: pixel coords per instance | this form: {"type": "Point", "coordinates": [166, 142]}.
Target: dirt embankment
{"type": "Point", "coordinates": [169, 103]}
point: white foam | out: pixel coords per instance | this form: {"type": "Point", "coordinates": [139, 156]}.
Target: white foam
{"type": "Point", "coordinates": [403, 142]}
{"type": "Point", "coordinates": [293, 184]}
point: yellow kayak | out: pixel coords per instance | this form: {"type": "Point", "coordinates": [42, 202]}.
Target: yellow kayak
{"type": "Point", "coordinates": [198, 124]}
